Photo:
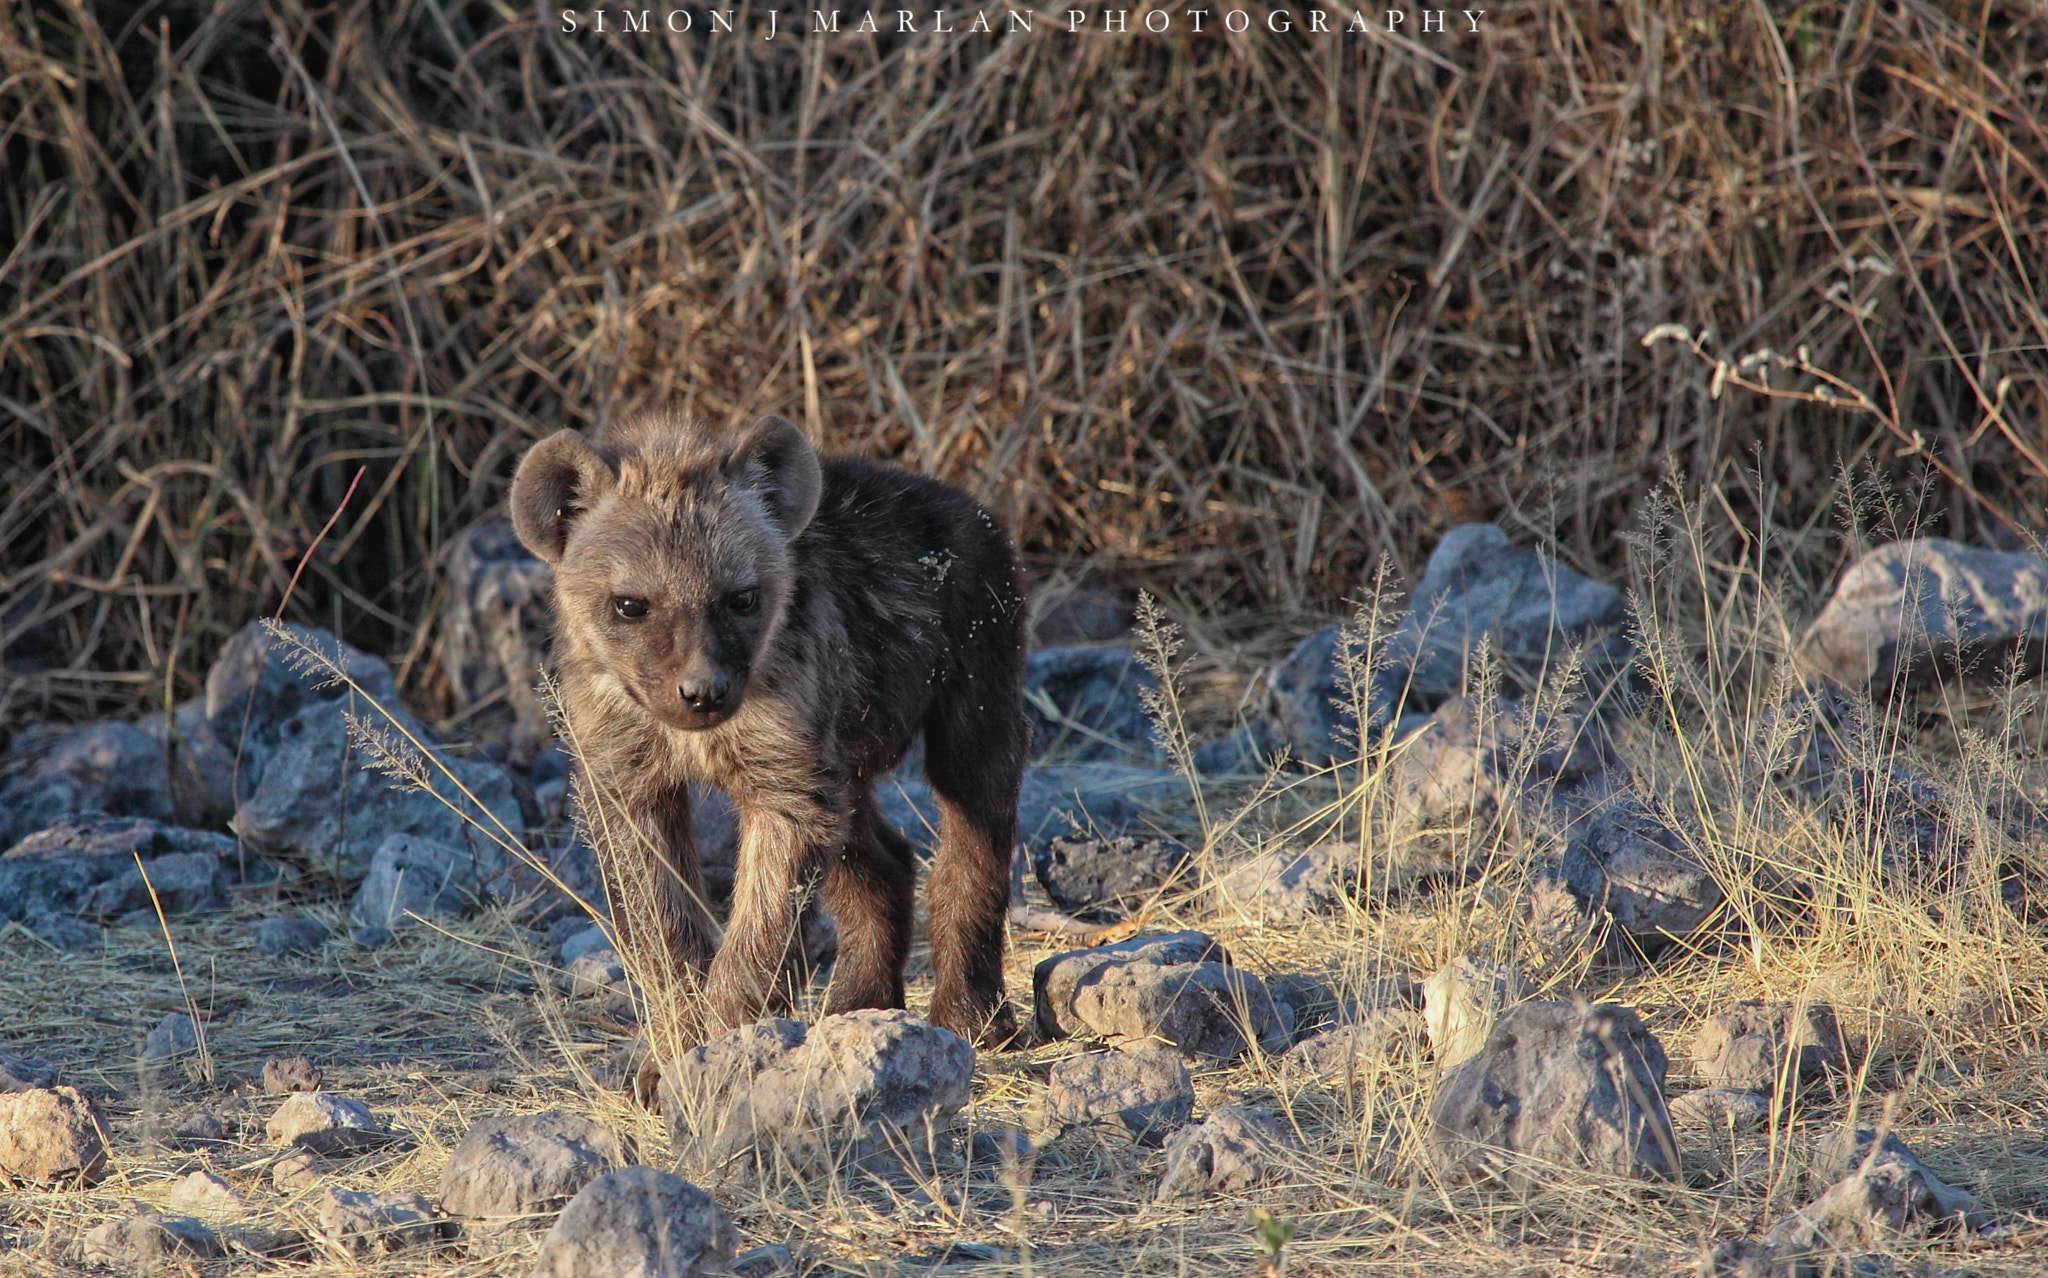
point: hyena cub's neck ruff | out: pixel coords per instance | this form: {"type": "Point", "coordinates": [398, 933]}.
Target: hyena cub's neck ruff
{"type": "Point", "coordinates": [735, 611]}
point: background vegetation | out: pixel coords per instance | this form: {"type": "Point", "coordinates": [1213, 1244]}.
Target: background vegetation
{"type": "Point", "coordinates": [1224, 316]}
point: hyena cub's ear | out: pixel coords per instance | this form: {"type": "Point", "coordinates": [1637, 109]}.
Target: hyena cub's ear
{"type": "Point", "coordinates": [559, 479]}
{"type": "Point", "coordinates": [775, 460]}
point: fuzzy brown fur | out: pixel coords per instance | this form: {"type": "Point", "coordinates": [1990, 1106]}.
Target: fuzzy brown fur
{"type": "Point", "coordinates": [734, 611]}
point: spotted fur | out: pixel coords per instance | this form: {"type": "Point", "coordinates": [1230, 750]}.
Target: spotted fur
{"type": "Point", "coordinates": [885, 605]}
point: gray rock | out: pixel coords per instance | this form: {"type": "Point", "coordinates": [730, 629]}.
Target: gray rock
{"type": "Point", "coordinates": [1472, 765]}
{"type": "Point", "coordinates": [253, 690]}
{"type": "Point", "coordinates": [1077, 616]}
{"type": "Point", "coordinates": [371, 1224]}
{"type": "Point", "coordinates": [1314, 703]}
{"type": "Point", "coordinates": [315, 776]}
{"type": "Point", "coordinates": [207, 1196]}
{"type": "Point", "coordinates": [1311, 1005]}
{"type": "Point", "coordinates": [698, 1087]}
{"type": "Point", "coordinates": [1527, 608]}
{"type": "Point", "coordinates": [1849, 1152]}
{"type": "Point", "coordinates": [65, 932]}
{"type": "Point", "coordinates": [1054, 980]}
{"type": "Point", "coordinates": [495, 634]}
{"type": "Point", "coordinates": [1102, 798]}
{"type": "Point", "coordinates": [1203, 1009]}
{"type": "Point", "coordinates": [298, 1170]}
{"type": "Point", "coordinates": [1901, 824]}
{"type": "Point", "coordinates": [1285, 885]}
{"type": "Point", "coordinates": [1883, 1194]}
{"type": "Point", "coordinates": [1233, 1150]}
{"type": "Point", "coordinates": [50, 1136]}
{"type": "Point", "coordinates": [87, 866]}
{"type": "Point", "coordinates": [325, 1124]}
{"type": "Point", "coordinates": [1381, 1038]}
{"type": "Point", "coordinates": [574, 884]}
{"type": "Point", "coordinates": [1558, 1085]}
{"type": "Point", "coordinates": [585, 939]}
{"type": "Point", "coordinates": [282, 936]}
{"type": "Point", "coordinates": [151, 1244]}
{"type": "Point", "coordinates": [174, 1035]}
{"type": "Point", "coordinates": [1177, 989]}
{"type": "Point", "coordinates": [1631, 865]}
{"type": "Point", "coordinates": [854, 1084]}
{"type": "Point", "coordinates": [372, 936]}
{"type": "Point", "coordinates": [413, 879]}
{"type": "Point", "coordinates": [1752, 1046]}
{"type": "Point", "coordinates": [202, 769]}
{"type": "Point", "coordinates": [30, 801]}
{"type": "Point", "coordinates": [201, 1127]}
{"type": "Point", "coordinates": [117, 768]}
{"type": "Point", "coordinates": [642, 1222]}
{"type": "Point", "coordinates": [515, 1170]}
{"type": "Point", "coordinates": [1247, 751]}
{"type": "Point", "coordinates": [561, 928]}
{"type": "Point", "coordinates": [1721, 1108]}
{"type": "Point", "coordinates": [1088, 703]}
{"type": "Point", "coordinates": [1142, 1095]}
{"type": "Point", "coordinates": [283, 1075]}
{"type": "Point", "coordinates": [596, 973]}
{"type": "Point", "coordinates": [1463, 999]}
{"type": "Point", "coordinates": [1931, 609]}
{"type": "Point", "coordinates": [1083, 874]}
{"type": "Point", "coordinates": [25, 1073]}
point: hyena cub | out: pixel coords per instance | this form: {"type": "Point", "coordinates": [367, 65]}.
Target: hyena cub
{"type": "Point", "coordinates": [735, 611]}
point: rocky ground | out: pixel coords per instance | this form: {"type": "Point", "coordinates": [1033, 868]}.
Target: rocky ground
{"type": "Point", "coordinates": [1606, 956]}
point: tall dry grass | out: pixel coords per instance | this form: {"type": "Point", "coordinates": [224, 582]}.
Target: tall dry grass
{"type": "Point", "coordinates": [1223, 316]}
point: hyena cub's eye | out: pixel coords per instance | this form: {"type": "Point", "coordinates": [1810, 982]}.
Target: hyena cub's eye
{"type": "Point", "coordinates": [744, 601]}
{"type": "Point", "coordinates": [630, 609]}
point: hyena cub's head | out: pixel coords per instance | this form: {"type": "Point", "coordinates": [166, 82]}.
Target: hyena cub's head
{"type": "Point", "coordinates": [671, 547]}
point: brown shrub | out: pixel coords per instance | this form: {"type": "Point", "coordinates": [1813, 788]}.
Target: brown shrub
{"type": "Point", "coordinates": [1222, 315]}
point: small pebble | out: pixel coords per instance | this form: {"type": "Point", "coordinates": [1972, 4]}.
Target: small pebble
{"type": "Point", "coordinates": [585, 941]}
{"type": "Point", "coordinates": [991, 1151]}
{"type": "Point", "coordinates": [174, 1035]}
{"type": "Point", "coordinates": [64, 931]}
{"type": "Point", "coordinates": [279, 937]}
{"type": "Point", "coordinates": [202, 1125]}
{"type": "Point", "coordinates": [21, 1073]}
{"type": "Point", "coordinates": [283, 1075]}
{"type": "Point", "coordinates": [208, 1197]}
{"type": "Point", "coordinates": [300, 1169]}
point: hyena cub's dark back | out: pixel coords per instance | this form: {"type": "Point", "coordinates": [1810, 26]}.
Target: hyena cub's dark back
{"type": "Point", "coordinates": [925, 587]}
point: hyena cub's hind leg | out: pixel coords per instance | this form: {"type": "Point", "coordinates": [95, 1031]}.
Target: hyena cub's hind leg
{"type": "Point", "coordinates": [974, 759]}
{"type": "Point", "coordinates": [870, 891]}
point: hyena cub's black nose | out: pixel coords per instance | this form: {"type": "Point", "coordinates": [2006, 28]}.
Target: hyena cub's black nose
{"type": "Point", "coordinates": [705, 692]}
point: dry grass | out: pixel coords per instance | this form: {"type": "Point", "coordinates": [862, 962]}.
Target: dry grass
{"type": "Point", "coordinates": [1937, 981]}
{"type": "Point", "coordinates": [1227, 318]}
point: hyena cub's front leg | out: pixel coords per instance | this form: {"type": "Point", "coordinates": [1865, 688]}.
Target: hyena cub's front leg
{"type": "Point", "coordinates": [647, 852]}
{"type": "Point", "coordinates": [782, 858]}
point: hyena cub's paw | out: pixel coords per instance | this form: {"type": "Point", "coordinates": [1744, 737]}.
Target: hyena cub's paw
{"type": "Point", "coordinates": [647, 1084]}
{"type": "Point", "coordinates": [990, 1031]}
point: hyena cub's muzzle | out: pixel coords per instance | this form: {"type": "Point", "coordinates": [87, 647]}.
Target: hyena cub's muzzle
{"type": "Point", "coordinates": [709, 697]}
